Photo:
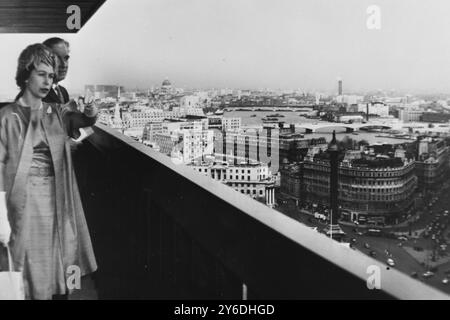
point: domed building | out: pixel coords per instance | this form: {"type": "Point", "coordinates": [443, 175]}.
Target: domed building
{"type": "Point", "coordinates": [166, 86]}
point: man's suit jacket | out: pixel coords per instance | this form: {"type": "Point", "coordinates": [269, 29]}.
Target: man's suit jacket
{"type": "Point", "coordinates": [75, 120]}
{"type": "Point", "coordinates": [52, 96]}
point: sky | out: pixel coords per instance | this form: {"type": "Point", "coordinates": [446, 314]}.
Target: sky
{"type": "Point", "coordinates": [251, 44]}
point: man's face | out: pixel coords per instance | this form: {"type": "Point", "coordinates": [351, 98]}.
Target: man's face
{"type": "Point", "coordinates": [62, 52]}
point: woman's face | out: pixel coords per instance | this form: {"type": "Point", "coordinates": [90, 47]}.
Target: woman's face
{"type": "Point", "coordinates": [40, 80]}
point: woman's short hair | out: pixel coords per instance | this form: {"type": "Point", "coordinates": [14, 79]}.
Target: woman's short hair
{"type": "Point", "coordinates": [30, 58]}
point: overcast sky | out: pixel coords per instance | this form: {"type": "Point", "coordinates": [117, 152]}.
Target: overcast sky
{"type": "Point", "coordinates": [290, 44]}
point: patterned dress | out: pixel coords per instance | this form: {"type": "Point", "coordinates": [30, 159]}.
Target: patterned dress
{"type": "Point", "coordinates": [43, 269]}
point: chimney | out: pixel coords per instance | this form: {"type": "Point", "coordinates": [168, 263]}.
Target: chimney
{"type": "Point", "coordinates": [292, 127]}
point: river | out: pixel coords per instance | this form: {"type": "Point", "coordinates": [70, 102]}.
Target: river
{"type": "Point", "coordinates": [295, 118]}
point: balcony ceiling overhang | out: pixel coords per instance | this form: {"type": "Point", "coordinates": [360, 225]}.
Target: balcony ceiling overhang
{"type": "Point", "coordinates": [43, 16]}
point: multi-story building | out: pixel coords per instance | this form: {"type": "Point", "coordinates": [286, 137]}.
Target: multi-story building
{"type": "Point", "coordinates": [349, 99]}
{"type": "Point", "coordinates": [432, 164]}
{"type": "Point", "coordinates": [194, 111]}
{"type": "Point", "coordinates": [166, 142]}
{"type": "Point", "coordinates": [294, 146]}
{"type": "Point", "coordinates": [101, 91]}
{"type": "Point", "coordinates": [410, 115]}
{"type": "Point", "coordinates": [150, 129]}
{"type": "Point", "coordinates": [140, 119]}
{"type": "Point", "coordinates": [170, 126]}
{"type": "Point", "coordinates": [350, 117]}
{"type": "Point", "coordinates": [373, 188]}
{"type": "Point", "coordinates": [258, 144]}
{"type": "Point", "coordinates": [376, 108]}
{"type": "Point", "coordinates": [186, 145]}
{"type": "Point", "coordinates": [188, 102]}
{"type": "Point", "coordinates": [435, 117]}
{"type": "Point", "coordinates": [251, 178]}
{"type": "Point", "coordinates": [215, 122]}
{"type": "Point", "coordinates": [290, 176]}
{"type": "Point", "coordinates": [231, 124]}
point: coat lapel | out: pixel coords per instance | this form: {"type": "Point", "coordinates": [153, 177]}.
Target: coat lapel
{"type": "Point", "coordinates": [55, 134]}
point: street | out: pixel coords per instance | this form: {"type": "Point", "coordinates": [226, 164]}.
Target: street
{"type": "Point", "coordinates": [413, 256]}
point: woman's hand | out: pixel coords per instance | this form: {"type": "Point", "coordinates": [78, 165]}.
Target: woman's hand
{"type": "Point", "coordinates": [5, 228]}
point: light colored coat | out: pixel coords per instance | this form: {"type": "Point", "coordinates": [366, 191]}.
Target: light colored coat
{"type": "Point", "coordinates": [76, 244]}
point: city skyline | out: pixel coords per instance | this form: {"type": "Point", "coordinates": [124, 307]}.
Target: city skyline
{"type": "Point", "coordinates": [255, 44]}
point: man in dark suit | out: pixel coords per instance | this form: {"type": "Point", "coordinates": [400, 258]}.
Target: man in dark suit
{"type": "Point", "coordinates": [87, 116]}
{"type": "Point", "coordinates": [59, 94]}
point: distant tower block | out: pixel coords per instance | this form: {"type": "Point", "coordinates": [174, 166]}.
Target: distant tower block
{"type": "Point", "coordinates": [340, 87]}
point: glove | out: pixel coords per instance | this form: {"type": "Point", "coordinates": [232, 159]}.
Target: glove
{"type": "Point", "coordinates": [88, 106]}
{"type": "Point", "coordinates": [5, 228]}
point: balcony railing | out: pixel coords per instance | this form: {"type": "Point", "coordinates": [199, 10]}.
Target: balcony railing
{"type": "Point", "coordinates": [164, 231]}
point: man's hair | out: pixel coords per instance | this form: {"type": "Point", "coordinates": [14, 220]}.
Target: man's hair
{"type": "Point", "coordinates": [29, 59]}
{"type": "Point", "coordinates": [51, 42]}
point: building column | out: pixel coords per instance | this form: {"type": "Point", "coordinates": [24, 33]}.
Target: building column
{"type": "Point", "coordinates": [273, 196]}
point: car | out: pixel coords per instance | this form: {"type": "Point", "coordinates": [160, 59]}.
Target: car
{"type": "Point", "coordinates": [359, 233]}
{"type": "Point", "coordinates": [414, 274]}
{"type": "Point", "coordinates": [390, 262]}
{"type": "Point", "coordinates": [366, 245]}
{"type": "Point", "coordinates": [353, 240]}
{"type": "Point", "coordinates": [445, 281]}
{"type": "Point", "coordinates": [402, 238]}
{"type": "Point", "coordinates": [428, 274]}
{"type": "Point", "coordinates": [372, 253]}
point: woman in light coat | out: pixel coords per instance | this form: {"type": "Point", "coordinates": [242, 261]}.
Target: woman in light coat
{"type": "Point", "coordinates": [41, 215]}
